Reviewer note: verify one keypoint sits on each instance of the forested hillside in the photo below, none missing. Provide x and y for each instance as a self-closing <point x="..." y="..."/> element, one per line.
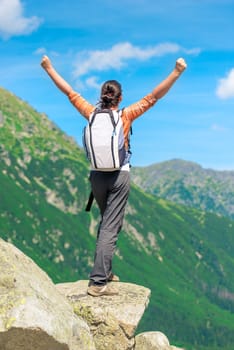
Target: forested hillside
<point x="184" y="255"/>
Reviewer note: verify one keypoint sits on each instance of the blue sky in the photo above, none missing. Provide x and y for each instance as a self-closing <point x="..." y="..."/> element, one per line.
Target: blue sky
<point x="136" y="42"/>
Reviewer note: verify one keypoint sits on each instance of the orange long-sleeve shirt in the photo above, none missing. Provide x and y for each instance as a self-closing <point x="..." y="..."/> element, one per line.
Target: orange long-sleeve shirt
<point x="130" y="113"/>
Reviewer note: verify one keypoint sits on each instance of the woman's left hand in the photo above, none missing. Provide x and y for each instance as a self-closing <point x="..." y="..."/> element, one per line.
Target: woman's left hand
<point x="180" y="65"/>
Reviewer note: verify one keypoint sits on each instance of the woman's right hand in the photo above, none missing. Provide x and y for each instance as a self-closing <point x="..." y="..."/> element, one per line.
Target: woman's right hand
<point x="45" y="62"/>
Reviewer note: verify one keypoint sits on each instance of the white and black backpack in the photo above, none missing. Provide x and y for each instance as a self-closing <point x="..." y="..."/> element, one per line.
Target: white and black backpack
<point x="103" y="140"/>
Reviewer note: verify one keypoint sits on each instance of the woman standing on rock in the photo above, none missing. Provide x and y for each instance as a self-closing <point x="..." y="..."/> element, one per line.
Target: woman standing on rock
<point x="111" y="189"/>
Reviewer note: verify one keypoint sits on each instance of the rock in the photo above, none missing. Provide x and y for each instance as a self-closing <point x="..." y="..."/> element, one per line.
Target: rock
<point x="33" y="314"/>
<point x="112" y="319"/>
<point x="153" y="341"/>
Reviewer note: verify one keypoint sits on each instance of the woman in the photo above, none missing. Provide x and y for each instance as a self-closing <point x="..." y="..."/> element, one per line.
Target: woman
<point x="111" y="189"/>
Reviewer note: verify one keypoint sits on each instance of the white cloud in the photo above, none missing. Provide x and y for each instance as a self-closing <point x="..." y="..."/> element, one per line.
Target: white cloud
<point x="117" y="56"/>
<point x="225" y="87"/>
<point x="12" y="20"/>
<point x="218" y="128"/>
<point x="193" y="51"/>
<point x="92" y="82"/>
<point x="40" y="51"/>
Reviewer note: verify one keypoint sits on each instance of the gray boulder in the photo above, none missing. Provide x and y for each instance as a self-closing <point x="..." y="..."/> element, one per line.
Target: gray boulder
<point x="153" y="341"/>
<point x="112" y="319"/>
<point x="33" y="314"/>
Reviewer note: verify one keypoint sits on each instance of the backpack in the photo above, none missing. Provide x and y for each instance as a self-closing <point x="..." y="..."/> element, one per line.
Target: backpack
<point x="103" y="140"/>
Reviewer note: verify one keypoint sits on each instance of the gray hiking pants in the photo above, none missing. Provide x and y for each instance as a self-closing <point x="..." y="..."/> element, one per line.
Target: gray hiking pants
<point x="110" y="190"/>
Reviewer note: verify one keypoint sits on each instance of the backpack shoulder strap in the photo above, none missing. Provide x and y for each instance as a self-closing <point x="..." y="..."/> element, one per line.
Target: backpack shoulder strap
<point x="93" y="115"/>
<point x="90" y="202"/>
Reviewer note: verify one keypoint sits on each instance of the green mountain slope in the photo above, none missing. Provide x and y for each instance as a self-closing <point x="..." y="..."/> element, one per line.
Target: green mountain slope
<point x="189" y="184"/>
<point x="183" y="255"/>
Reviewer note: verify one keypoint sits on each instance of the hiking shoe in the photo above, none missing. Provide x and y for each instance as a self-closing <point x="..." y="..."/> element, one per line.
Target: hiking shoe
<point x="113" y="278"/>
<point x="97" y="291"/>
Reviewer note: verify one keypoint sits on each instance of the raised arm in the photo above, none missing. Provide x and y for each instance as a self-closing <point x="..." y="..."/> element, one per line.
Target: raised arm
<point x="138" y="108"/>
<point x="54" y="75"/>
<point x="161" y="89"/>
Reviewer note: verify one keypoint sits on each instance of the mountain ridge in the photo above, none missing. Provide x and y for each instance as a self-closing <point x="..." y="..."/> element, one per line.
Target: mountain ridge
<point x="187" y="183"/>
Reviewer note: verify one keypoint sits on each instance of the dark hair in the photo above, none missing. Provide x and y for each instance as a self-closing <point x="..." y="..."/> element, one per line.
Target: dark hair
<point x="110" y="93"/>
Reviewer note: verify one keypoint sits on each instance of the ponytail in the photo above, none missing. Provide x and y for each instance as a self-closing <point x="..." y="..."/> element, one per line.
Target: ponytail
<point x="111" y="92"/>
